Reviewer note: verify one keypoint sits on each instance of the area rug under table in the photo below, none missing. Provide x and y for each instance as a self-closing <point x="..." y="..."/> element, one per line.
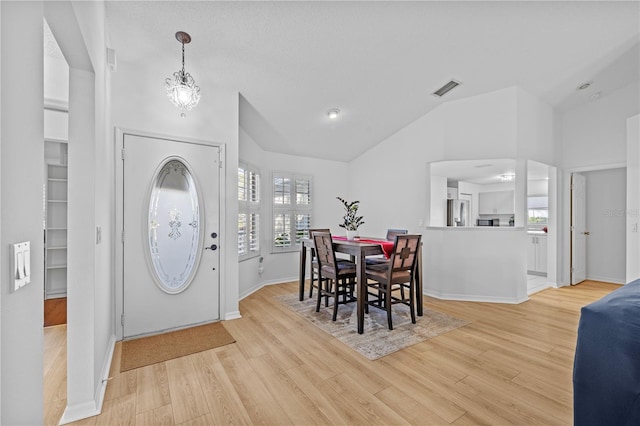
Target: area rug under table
<point x="163" y="347"/>
<point x="377" y="340"/>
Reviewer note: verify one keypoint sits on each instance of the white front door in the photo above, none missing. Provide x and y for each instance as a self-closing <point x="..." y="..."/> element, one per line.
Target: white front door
<point x="171" y="214"/>
<point x="578" y="229"/>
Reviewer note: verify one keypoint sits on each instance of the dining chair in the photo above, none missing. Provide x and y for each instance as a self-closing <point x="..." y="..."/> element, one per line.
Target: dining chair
<point x="314" y="263"/>
<point x="385" y="281"/>
<point x="339" y="278"/>
<point x="391" y="233"/>
<point x="391" y="236"/>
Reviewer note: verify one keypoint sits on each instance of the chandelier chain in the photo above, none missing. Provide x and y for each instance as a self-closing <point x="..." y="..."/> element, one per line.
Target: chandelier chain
<point x="183" y="58"/>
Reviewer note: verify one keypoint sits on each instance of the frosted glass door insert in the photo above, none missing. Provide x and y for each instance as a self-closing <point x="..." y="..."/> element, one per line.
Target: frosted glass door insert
<point x="174" y="230"/>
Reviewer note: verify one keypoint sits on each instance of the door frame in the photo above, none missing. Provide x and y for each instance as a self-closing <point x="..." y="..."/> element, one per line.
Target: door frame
<point x="566" y="227"/>
<point x="119" y="134"/>
<point x="572" y="230"/>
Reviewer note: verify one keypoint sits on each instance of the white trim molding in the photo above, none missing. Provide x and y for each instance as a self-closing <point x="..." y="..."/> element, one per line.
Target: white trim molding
<point x="92" y="408"/>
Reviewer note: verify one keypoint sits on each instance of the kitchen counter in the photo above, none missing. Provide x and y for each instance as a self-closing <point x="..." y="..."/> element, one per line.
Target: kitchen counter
<point x="479" y="228"/>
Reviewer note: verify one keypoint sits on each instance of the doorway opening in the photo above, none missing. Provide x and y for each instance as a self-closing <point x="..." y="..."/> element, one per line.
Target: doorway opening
<point x="598" y="227"/>
<point x="55" y="226"/>
<point x="539" y="222"/>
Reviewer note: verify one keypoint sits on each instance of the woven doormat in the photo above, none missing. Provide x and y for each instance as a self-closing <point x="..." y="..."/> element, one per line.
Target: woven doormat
<point x="163" y="347"/>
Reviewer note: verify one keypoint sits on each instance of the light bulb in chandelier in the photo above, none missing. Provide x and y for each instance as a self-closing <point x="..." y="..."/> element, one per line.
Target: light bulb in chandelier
<point x="181" y="88"/>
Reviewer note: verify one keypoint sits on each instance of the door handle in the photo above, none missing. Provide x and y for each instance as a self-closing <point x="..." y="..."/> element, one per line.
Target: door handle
<point x="211" y="247"/>
<point x="587" y="233"/>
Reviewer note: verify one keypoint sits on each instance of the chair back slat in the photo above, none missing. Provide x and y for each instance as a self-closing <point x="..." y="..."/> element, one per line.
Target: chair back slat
<point x="391" y="233"/>
<point x="314" y="230"/>
<point x="403" y="257"/>
<point x="324" y="249"/>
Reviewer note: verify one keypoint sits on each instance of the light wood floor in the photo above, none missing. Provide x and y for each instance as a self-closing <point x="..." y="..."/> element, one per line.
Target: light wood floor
<point x="511" y="366"/>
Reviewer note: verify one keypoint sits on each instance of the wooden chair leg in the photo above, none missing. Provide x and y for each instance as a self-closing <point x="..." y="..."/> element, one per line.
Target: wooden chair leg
<point x="328" y="290"/>
<point x="319" y="293"/>
<point x="366" y="299"/>
<point x="412" y="302"/>
<point x="335" y="304"/>
<point x="388" y="306"/>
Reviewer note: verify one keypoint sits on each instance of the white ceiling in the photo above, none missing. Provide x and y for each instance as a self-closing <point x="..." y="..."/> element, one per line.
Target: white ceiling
<point x="377" y="62"/>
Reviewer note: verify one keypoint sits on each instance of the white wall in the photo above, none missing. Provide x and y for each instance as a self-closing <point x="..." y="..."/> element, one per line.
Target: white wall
<point x="79" y="28"/>
<point x="2" y="269"/>
<point x="606" y="193"/>
<point x="477" y="264"/>
<point x="537" y="187"/>
<point x="633" y="199"/>
<point x="594" y="137"/>
<point x="22" y="136"/>
<point x="438" y="200"/>
<point x="329" y="181"/>
<point x="392" y="177"/>
<point x="56" y="79"/>
<point x="482" y="126"/>
<point x="535" y="129"/>
<point x="595" y="134"/>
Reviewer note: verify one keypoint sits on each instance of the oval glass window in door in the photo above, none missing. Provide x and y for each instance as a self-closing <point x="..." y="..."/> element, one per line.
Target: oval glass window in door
<point x="173" y="226"/>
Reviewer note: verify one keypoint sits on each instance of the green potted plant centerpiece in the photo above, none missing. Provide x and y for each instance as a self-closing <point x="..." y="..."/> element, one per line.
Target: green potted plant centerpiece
<point x="351" y="219"/>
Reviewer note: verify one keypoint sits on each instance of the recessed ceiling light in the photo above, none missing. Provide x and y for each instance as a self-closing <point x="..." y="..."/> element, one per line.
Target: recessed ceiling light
<point x="584" y="86"/>
<point x="333" y="113"/>
<point x="507" y="177"/>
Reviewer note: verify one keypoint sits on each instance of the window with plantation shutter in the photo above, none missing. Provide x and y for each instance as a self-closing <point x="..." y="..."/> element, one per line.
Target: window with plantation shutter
<point x="248" y="211"/>
<point x="291" y="210"/>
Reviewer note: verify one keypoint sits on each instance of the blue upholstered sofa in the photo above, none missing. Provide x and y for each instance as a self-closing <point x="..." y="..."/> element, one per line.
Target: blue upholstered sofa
<point x="606" y="369"/>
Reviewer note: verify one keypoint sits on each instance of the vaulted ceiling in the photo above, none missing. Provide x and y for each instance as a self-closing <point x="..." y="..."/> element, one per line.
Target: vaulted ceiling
<point x="377" y="62"/>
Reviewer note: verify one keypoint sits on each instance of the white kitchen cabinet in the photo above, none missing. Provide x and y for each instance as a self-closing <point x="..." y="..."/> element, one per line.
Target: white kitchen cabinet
<point x="497" y="202"/>
<point x="537" y="254"/>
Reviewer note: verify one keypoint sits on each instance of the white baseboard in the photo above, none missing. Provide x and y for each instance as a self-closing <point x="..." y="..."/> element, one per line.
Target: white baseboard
<point x="106" y="368"/>
<point x="266" y="283"/>
<point x="475" y="298"/>
<point x="92" y="408"/>
<point x="607" y="279"/>
<point x="232" y="315"/>
<point x="55" y="294"/>
<point x="79" y="411"/>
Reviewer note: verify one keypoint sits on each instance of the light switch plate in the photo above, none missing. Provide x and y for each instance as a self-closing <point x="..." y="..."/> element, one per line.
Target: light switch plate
<point x="20" y="265"/>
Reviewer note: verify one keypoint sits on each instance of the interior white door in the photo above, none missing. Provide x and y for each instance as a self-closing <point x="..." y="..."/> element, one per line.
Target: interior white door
<point x="578" y="229"/>
<point x="171" y="214"/>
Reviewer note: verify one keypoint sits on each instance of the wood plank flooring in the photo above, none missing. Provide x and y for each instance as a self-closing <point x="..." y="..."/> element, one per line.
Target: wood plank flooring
<point x="511" y="365"/>
<point x="55" y="311"/>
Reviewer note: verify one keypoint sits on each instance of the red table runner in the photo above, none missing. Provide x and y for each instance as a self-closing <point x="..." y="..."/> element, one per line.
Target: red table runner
<point x="387" y="246"/>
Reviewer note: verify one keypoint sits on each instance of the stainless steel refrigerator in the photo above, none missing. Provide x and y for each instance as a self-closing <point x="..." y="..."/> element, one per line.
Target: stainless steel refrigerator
<point x="458" y="213"/>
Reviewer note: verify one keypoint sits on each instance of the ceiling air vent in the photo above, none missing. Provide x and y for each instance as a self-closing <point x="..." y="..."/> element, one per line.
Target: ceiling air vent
<point x="447" y="87"/>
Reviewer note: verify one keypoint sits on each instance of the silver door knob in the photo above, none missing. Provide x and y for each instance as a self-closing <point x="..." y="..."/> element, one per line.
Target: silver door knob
<point x="587" y="233"/>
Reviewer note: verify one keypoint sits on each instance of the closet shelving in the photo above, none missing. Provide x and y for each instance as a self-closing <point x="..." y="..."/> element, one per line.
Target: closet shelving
<point x="56" y="221"/>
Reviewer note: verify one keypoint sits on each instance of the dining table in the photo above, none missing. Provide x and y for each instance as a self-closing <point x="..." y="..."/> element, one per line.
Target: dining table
<point x="359" y="249"/>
